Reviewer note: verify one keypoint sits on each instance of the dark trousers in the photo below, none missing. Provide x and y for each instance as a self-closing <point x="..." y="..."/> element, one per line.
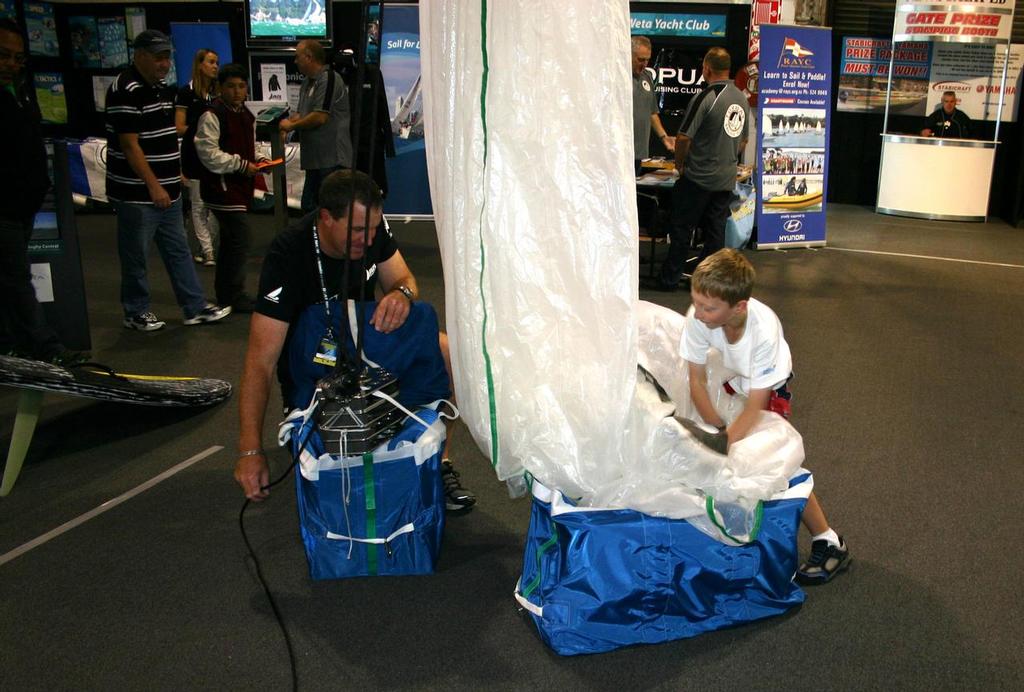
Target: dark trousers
<point x="311" y="186"/>
<point x="694" y="207"/>
<point x="22" y="323"/>
<point x="232" y="253"/>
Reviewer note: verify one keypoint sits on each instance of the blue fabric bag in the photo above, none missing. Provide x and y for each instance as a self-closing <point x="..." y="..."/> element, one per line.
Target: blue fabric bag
<point x="411" y="353"/>
<point x="378" y="514"/>
<point x="598" y="579"/>
<point x="381" y="513"/>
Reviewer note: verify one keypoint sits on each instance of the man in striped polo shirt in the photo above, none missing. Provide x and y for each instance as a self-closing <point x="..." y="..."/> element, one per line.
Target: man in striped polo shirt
<point x="144" y="184"/>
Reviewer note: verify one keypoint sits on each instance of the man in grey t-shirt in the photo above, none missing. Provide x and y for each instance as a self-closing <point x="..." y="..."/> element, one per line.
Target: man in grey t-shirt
<point x="322" y="121"/>
<point x="711" y="137"/>
<point x="645" y="103"/>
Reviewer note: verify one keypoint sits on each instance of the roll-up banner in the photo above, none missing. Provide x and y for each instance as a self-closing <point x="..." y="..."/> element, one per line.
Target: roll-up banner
<point x="408" y="188"/>
<point x="795" y="96"/>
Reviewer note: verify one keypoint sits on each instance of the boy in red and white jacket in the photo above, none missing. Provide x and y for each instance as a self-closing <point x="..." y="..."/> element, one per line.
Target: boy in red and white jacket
<point x="226" y="145"/>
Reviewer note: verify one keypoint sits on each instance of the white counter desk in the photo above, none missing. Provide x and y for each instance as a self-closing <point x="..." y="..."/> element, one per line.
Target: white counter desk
<point x="934" y="178"/>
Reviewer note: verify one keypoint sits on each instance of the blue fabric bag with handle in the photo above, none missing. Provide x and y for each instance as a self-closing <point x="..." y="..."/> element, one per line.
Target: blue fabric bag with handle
<point x="381" y="513"/>
<point x="595" y="580"/>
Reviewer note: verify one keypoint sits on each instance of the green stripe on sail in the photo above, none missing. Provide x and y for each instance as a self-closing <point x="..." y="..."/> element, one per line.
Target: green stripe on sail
<point x="491" y="405"/>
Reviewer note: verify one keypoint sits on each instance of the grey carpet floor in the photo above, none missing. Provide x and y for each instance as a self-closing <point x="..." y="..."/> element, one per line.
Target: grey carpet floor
<point x="908" y="394"/>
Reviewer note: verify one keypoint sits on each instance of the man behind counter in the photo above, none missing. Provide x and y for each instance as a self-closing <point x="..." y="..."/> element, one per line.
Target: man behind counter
<point x="947" y="121"/>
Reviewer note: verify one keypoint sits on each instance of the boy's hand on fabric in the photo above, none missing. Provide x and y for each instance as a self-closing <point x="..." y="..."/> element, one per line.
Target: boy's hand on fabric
<point x="716" y="442"/>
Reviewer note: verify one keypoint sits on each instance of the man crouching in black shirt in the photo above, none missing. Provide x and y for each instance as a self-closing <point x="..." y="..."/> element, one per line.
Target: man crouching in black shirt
<point x="304" y="266"/>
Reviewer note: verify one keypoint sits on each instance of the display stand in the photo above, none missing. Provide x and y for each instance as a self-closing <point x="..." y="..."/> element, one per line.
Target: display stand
<point x="965" y="165"/>
<point x="57" y="262"/>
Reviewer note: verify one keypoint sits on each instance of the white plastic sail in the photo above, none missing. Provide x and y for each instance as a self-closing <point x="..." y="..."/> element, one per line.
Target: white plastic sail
<point x="529" y="150"/>
<point x="527" y="110"/>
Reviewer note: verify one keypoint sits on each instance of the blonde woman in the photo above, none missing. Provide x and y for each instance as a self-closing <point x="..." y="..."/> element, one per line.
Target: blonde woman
<point x="192" y="101"/>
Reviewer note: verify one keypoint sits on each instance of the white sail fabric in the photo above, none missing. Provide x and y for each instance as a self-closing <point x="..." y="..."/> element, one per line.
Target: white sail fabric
<point x="527" y="112"/>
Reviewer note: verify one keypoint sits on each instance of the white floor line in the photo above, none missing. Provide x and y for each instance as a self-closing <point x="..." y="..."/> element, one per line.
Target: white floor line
<point x="109" y="504"/>
<point x="941" y="259"/>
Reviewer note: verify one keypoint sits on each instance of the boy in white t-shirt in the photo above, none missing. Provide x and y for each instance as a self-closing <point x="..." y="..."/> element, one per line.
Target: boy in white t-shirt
<point x="749" y="336"/>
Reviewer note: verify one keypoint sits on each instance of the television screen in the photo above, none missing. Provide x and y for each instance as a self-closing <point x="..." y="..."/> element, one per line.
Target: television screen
<point x="273" y="22"/>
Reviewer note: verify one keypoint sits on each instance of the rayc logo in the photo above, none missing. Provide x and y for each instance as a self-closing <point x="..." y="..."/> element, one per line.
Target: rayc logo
<point x="795" y="55"/>
<point x="795" y="49"/>
<point x="793" y="226"/>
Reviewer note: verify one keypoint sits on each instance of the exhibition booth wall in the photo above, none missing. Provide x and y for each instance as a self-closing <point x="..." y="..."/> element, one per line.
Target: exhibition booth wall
<point x="79" y="56"/>
<point x="855" y="145"/>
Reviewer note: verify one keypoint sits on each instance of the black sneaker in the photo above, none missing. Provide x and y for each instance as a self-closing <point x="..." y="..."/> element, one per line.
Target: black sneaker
<point x="457" y="498"/>
<point x="146" y="322"/>
<point x="211" y="313"/>
<point x="69" y="359"/>
<point x="826" y="561"/>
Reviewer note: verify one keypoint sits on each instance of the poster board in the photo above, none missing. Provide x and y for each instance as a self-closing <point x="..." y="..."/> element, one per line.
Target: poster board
<point x="189" y="37"/>
<point x="266" y="69"/>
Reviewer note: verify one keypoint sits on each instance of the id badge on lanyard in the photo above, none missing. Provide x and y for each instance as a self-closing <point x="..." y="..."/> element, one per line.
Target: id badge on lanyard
<point x="327" y="351"/>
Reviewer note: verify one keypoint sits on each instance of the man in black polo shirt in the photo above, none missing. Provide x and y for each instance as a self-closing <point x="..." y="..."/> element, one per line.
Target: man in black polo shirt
<point x="947" y="120"/>
<point x="711" y="138"/>
<point x="144" y="184"/>
<point x="302" y="277"/>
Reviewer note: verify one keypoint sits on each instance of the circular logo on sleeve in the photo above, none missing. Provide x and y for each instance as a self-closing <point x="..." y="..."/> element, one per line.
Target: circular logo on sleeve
<point x="734" y="120"/>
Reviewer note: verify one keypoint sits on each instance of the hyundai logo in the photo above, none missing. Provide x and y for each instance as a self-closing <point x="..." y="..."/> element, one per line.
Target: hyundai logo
<point x="793" y="226"/>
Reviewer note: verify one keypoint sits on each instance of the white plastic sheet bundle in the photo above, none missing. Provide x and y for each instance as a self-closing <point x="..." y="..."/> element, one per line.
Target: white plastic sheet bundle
<point x="528" y="132"/>
<point x="527" y="109"/>
<point x="671" y="474"/>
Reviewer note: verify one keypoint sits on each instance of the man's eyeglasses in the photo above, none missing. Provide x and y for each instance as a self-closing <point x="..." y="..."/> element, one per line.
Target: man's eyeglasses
<point x="16" y="58"/>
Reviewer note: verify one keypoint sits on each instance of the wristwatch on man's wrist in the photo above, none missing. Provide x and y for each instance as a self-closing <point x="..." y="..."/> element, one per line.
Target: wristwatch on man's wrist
<point x="405" y="291"/>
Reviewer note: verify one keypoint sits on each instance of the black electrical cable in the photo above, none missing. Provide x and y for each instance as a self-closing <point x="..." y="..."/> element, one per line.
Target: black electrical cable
<point x="360" y="74"/>
<point x="263" y="582"/>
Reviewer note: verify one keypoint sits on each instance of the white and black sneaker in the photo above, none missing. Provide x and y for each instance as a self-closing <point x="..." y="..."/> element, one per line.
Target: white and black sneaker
<point x="457" y="499"/>
<point x="211" y="313"/>
<point x="146" y="322"/>
<point x="826" y="561"/>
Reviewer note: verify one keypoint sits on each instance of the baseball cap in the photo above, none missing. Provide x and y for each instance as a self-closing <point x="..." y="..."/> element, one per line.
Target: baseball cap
<point x="152" y="41"/>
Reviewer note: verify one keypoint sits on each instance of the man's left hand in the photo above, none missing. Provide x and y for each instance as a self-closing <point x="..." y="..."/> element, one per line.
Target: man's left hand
<point x="391" y="313"/>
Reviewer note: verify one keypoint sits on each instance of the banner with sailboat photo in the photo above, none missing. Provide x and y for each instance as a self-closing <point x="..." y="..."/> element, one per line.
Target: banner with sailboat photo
<point x="795" y="95"/>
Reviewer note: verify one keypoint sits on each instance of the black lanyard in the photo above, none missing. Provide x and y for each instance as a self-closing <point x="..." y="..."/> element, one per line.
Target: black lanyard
<point x="323" y="282"/>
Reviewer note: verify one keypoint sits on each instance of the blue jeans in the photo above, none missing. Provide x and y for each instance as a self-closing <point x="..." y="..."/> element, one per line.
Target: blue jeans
<point x="311" y="187"/>
<point x="137" y="224"/>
